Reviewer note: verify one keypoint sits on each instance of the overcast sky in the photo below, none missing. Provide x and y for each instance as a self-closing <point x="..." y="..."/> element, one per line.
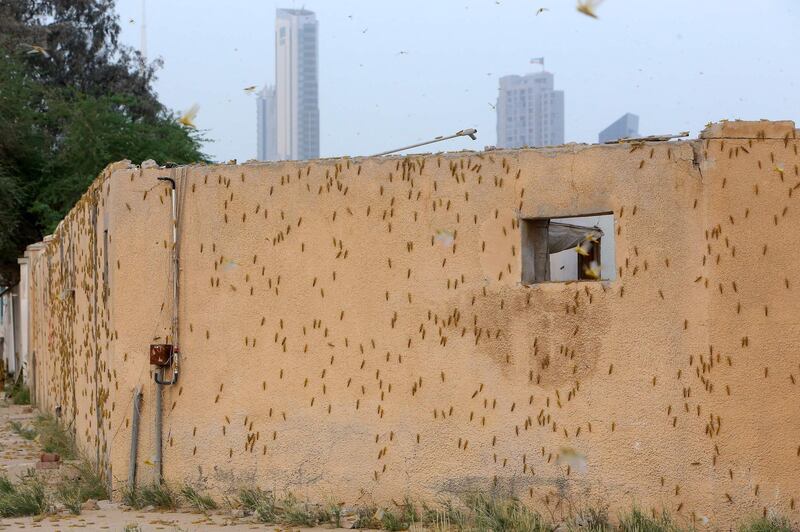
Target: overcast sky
<point x="677" y="64"/>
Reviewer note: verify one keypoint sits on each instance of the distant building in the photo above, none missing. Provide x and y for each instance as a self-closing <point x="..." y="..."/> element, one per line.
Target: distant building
<point x="626" y="126"/>
<point x="296" y="84"/>
<point x="267" y="125"/>
<point x="529" y="111"/>
<point x="10" y="333"/>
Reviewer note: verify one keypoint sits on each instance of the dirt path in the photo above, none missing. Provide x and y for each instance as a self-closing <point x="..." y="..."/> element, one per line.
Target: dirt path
<point x="18" y="455"/>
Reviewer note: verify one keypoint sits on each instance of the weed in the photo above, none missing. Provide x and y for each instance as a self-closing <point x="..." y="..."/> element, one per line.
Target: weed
<point x="444" y="517"/>
<point x="332" y="514"/>
<point x="130" y="497"/>
<point x="6" y="486"/>
<point x="259" y="502"/>
<point x="638" y="521"/>
<point x="18" y="393"/>
<point x="88" y="484"/>
<point x="250" y="497"/>
<point x="592" y="519"/>
<point x="69" y="495"/>
<point x="391" y="521"/>
<point x="24" y="498"/>
<point x="296" y="514"/>
<point x="132" y="527"/>
<point x="492" y="513"/>
<point x="366" y="517"/>
<point x="404" y="519"/>
<point x="197" y="500"/>
<point x="158" y="495"/>
<point x="25" y="432"/>
<point x="91" y="482"/>
<point x="53" y="438"/>
<point x="773" y="523"/>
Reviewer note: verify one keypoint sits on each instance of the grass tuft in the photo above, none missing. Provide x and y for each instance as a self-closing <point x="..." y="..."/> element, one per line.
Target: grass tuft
<point x="287" y="511"/>
<point x="403" y="519"/>
<point x="592" y="519"/>
<point x="366" y="517"/>
<point x="69" y="494"/>
<point x="6" y="486"/>
<point x="130" y="497"/>
<point x="88" y="484"/>
<point x="773" y="523"/>
<point x="447" y="516"/>
<point x="24" y="498"/>
<point x="475" y="511"/>
<point x="296" y="514"/>
<point x="333" y="514"/>
<point x="638" y="521"/>
<point x="392" y="521"/>
<point x="494" y="513"/>
<point x="18" y="393"/>
<point x="197" y="500"/>
<point x="260" y="503"/>
<point x="28" y="433"/>
<point x="160" y="496"/>
<point x="53" y="438"/>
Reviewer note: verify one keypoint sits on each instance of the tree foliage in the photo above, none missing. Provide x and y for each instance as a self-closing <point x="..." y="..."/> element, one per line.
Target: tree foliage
<point x="72" y="99"/>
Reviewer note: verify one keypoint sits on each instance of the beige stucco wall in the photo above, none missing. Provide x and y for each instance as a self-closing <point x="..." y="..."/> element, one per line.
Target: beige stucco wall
<point x="69" y="323"/>
<point x="334" y="347"/>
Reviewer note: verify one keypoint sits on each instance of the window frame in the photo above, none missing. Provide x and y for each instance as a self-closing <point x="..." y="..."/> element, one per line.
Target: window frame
<point x="535" y="229"/>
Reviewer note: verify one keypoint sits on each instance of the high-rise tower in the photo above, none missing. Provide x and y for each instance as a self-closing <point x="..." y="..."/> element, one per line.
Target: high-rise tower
<point x="529" y="111"/>
<point x="267" y="131"/>
<point x="296" y="84"/>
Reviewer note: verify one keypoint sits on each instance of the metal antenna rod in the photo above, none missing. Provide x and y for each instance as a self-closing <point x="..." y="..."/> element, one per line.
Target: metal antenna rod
<point x="143" y="36"/>
<point x="463" y="133"/>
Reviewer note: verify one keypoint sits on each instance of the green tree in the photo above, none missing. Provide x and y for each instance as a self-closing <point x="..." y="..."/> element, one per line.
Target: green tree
<point x="94" y="132"/>
<point x="75" y="43"/>
<point x="67" y="109"/>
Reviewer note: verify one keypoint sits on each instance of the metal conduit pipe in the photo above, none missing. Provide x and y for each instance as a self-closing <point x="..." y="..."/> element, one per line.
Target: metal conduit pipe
<point x="174" y="359"/>
<point x="157" y="432"/>
<point x="137" y="401"/>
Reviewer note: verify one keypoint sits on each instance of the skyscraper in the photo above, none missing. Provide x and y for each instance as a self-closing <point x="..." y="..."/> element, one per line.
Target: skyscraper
<point x="267" y="125"/>
<point x="296" y="84"/>
<point x="626" y="126"/>
<point x="529" y="111"/>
